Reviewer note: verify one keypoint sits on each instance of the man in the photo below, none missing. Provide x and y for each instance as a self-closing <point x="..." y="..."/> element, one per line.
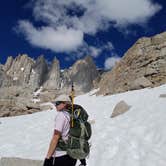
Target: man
<point x="55" y="157"/>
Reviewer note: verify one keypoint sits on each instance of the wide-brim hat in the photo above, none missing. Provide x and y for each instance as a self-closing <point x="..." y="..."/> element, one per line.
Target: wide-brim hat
<point x="62" y="98"/>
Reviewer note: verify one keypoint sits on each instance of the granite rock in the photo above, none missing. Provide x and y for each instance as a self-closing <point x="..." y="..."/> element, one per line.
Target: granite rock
<point x="144" y="62"/>
<point x="120" y="108"/>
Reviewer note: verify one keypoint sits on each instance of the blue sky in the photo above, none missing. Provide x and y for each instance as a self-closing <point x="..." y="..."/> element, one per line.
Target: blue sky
<point x="72" y="29"/>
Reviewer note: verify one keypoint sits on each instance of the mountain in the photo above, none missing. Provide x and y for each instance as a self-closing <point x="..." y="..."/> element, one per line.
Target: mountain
<point x="23" y="76"/>
<point x="25" y="82"/>
<point x="143" y="65"/>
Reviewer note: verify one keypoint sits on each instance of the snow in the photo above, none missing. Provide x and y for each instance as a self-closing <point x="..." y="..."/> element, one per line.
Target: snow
<point x="22" y="68"/>
<point x="33" y="71"/>
<point x="35" y="100"/>
<point x="137" y="137"/>
<point x="15" y="78"/>
<point x="37" y="93"/>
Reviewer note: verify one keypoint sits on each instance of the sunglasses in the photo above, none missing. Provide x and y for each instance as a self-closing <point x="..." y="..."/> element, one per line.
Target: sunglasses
<point x="59" y="102"/>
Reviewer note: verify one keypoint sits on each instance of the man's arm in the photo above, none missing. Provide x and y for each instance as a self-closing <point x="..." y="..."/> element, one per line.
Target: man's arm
<point x="53" y="143"/>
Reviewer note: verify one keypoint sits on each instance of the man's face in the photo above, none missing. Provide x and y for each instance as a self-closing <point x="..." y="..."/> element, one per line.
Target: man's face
<point x="60" y="106"/>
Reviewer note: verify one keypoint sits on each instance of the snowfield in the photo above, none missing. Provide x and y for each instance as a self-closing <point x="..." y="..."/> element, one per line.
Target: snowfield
<point x="135" y="138"/>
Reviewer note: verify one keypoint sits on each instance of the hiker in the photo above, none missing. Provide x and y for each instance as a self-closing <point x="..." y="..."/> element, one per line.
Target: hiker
<point x="54" y="156"/>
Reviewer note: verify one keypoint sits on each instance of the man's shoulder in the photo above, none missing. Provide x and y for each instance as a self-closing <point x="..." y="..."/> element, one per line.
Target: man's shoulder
<point x="63" y="114"/>
<point x="60" y="114"/>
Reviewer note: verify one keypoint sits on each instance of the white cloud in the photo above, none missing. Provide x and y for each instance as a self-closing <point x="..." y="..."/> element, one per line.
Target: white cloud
<point x="127" y="11"/>
<point x="97" y="13"/>
<point x="93" y="51"/>
<point x="85" y="49"/>
<point x="65" y="32"/>
<point x="110" y="62"/>
<point x="60" y="39"/>
<point x="109" y="46"/>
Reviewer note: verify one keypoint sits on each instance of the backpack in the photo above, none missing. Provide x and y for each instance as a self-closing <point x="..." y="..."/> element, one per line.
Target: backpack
<point x="77" y="145"/>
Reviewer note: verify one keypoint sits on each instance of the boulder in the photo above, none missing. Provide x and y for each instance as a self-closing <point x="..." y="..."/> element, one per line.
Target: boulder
<point x="139" y="83"/>
<point x="120" y="108"/>
<point x="162" y="96"/>
<point x="4" y="112"/>
<point x="16" y="100"/>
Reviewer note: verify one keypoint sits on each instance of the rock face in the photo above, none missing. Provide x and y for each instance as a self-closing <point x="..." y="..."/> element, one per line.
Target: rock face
<point x="16" y="100"/>
<point x="2" y="75"/>
<point x="18" y="70"/>
<point x="143" y="65"/>
<point x="141" y="82"/>
<point x="53" y="77"/>
<point x="38" y="73"/>
<point x="82" y="74"/>
<point x="22" y="77"/>
<point x="8" y="63"/>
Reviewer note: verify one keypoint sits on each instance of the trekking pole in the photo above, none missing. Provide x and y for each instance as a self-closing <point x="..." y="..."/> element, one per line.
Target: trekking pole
<point x="72" y="104"/>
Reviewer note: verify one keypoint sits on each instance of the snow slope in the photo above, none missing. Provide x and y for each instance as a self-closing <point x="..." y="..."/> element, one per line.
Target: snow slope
<point x="136" y="138"/>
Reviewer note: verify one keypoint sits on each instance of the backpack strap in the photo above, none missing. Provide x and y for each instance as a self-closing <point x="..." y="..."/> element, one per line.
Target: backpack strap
<point x="83" y="130"/>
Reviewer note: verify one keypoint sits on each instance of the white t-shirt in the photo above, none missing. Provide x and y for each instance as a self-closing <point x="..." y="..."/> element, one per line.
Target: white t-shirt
<point x="62" y="124"/>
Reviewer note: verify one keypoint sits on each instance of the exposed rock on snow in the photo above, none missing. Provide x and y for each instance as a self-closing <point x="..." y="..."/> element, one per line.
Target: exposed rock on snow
<point x="19" y="162"/>
<point x="163" y="96"/>
<point x="120" y="108"/>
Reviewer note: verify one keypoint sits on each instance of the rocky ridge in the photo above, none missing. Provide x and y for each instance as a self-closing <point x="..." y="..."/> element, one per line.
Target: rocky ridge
<point x="22" y="77"/>
<point x="143" y="65"/>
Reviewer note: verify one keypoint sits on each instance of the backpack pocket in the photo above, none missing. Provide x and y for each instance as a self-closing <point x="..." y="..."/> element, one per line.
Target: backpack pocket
<point x="78" y="148"/>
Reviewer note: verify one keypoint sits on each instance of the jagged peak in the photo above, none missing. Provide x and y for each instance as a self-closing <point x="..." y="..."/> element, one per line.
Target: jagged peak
<point x="10" y="58"/>
<point x="41" y="59"/>
<point x="23" y="57"/>
<point x="88" y="58"/>
<point x="55" y="58"/>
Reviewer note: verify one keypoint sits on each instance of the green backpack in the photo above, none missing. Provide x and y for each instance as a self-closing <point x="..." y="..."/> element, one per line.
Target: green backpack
<point x="77" y="145"/>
